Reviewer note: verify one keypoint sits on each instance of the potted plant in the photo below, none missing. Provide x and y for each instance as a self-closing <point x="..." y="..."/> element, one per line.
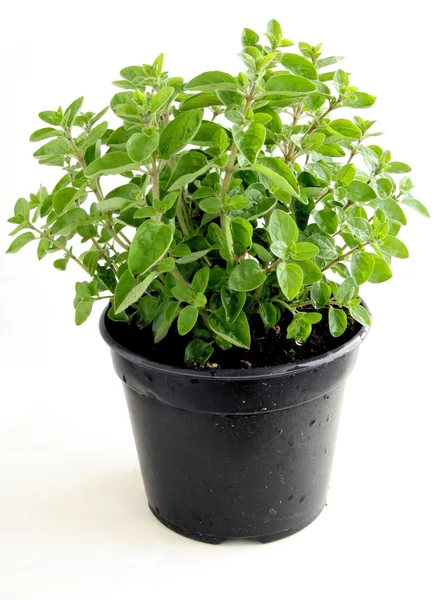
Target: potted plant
<point x="230" y="248"/>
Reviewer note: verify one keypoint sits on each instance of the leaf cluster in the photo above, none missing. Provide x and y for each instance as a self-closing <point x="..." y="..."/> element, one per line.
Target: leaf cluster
<point x="232" y="196"/>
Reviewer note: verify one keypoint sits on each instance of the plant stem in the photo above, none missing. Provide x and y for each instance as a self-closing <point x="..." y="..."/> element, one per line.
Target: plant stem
<point x="178" y="276"/>
<point x="45" y="235"/>
<point x="96" y="188"/>
<point x="228" y="171"/>
<point x="343" y="256"/>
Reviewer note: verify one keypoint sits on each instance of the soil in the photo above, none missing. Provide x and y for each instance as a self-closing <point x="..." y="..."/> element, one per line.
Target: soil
<point x="269" y="347"/>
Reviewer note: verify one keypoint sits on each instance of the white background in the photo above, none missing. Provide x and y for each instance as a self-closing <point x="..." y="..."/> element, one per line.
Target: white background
<point x="74" y="523"/>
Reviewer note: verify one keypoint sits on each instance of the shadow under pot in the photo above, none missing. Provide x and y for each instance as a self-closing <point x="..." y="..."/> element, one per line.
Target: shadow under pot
<point x="235" y="454"/>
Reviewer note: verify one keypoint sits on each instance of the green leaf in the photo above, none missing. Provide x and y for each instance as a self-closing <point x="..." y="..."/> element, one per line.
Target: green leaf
<point x="358" y="191"/>
<point x="280" y="249"/>
<point x="165" y="315"/>
<point x="359" y="100"/>
<point x="246" y="276"/>
<point x="397" y="167"/>
<point x="82" y="311"/>
<point x="112" y="163"/>
<point x="187" y="319"/>
<point x="278" y="173"/>
<point x="327" y="220"/>
<point x="21" y="209"/>
<point x="165" y="204"/>
<point x="94" y="135"/>
<point x="290" y="278"/>
<point x="360" y="229"/>
<point x="62" y="198"/>
<point x="69" y="221"/>
<point x="57" y="147"/>
<point x="344" y="129"/>
<point x="311" y="271"/>
<point x="236" y="333"/>
<point x="112" y="204"/>
<point x="251" y="141"/>
<point x="249" y="37"/>
<point x="233" y="303"/>
<point x="189" y="167"/>
<point x="416" y="205"/>
<point x="346" y="175"/>
<point x="238" y="202"/>
<point x="200" y="280"/>
<point x="289" y="85"/>
<point x="259" y="203"/>
<point x="299" y="65"/>
<point x="304" y="251"/>
<point x="20" y="242"/>
<point x="183" y="293"/>
<point x="337" y="321"/>
<point x="341" y="81"/>
<point x="210" y="205"/>
<point x="197" y="352"/>
<point x="193" y="257"/>
<point x="381" y="271"/>
<point x="140" y="146"/>
<point x="282" y="227"/>
<point x="206" y="132"/>
<point x="160" y="99"/>
<point x="44" y="133"/>
<point x="362" y="265"/>
<point x="129" y="290"/>
<point x="211" y="81"/>
<point x="43" y="246"/>
<point x="348" y="290"/>
<point x="392" y="210"/>
<point x="242" y="232"/>
<point x="149" y="245"/>
<point x="326" y="246"/>
<point x="320" y="294"/>
<point x="201" y="100"/>
<point x="146" y="310"/>
<point x="72" y="111"/>
<point x="360" y="314"/>
<point x="179" y="132"/>
<point x="394" y="247"/>
<point x="274" y="32"/>
<point x="270" y="314"/>
<point x="51" y="117"/>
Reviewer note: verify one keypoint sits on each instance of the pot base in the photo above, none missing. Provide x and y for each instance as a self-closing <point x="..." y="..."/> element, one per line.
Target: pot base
<point x="209" y="539"/>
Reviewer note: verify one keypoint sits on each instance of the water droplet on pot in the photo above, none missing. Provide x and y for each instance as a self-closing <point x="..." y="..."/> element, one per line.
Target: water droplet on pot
<point x="325" y="450"/>
<point x="312" y="423"/>
<point x="280" y="432"/>
<point x="328" y="418"/>
<point x="291" y="497"/>
<point x="302" y="498"/>
<point x="124" y="379"/>
<point x="273" y="513"/>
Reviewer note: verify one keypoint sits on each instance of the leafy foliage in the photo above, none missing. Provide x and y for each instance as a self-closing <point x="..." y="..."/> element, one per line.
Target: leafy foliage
<point x="230" y="196"/>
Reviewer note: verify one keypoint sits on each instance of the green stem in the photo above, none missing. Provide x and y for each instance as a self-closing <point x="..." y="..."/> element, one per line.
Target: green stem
<point x="45" y="235"/>
<point x="343" y="256"/>
<point x="96" y="189"/>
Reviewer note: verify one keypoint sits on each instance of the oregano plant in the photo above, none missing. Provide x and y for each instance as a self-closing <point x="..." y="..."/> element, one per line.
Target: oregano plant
<point x="220" y="198"/>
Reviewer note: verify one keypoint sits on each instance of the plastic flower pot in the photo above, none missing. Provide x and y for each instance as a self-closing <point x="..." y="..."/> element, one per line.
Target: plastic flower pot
<point x="230" y="454"/>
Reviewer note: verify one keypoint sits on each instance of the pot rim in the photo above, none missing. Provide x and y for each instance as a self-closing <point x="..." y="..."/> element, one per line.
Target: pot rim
<point x="234" y="374"/>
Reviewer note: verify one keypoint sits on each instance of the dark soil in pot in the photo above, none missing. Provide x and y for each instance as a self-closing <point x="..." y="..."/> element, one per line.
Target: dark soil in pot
<point x="269" y="347"/>
<point x="234" y="453"/>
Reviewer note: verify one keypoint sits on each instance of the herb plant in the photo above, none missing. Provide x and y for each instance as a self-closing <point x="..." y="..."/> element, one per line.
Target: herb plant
<point x="235" y="195"/>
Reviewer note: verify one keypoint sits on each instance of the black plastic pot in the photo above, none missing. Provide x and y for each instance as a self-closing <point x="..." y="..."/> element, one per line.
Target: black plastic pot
<point x="235" y="453"/>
